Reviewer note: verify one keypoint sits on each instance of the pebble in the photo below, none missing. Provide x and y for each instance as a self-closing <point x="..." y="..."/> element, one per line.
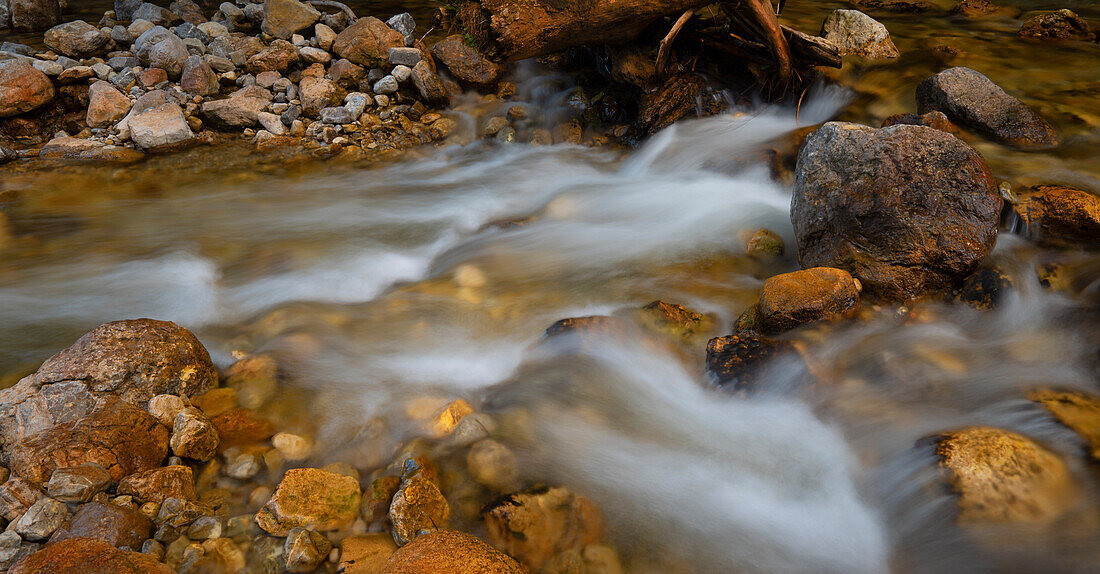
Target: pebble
<point x="292" y="446"/>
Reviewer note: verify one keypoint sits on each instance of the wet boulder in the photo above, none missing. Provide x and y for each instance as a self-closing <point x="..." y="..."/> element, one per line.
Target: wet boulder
<point x="116" y="525"/>
<point x="1059" y="25"/>
<point x="367" y="42"/>
<point x="284" y="18"/>
<point x="1060" y="216"/>
<point x="365" y="554"/>
<point x="118" y="436"/>
<point x="418" y="506"/>
<point x="979" y="8"/>
<point x="904" y="209"/>
<point x="1001" y="476"/>
<point x="23" y="88"/>
<point x="106" y="105"/>
<point x="34" y="15"/>
<point x="88" y="556"/>
<point x="1076" y="410"/>
<point x="536" y="525"/>
<point x="134" y="359"/>
<point x="310" y="498"/>
<point x="743" y="361"/>
<point x="450" y="551"/>
<point x="77" y="39"/>
<point x="675" y="321"/>
<point x="857" y="34"/>
<point x="467" y="66"/>
<point x="429" y="84"/>
<point x="972" y="100"/>
<point x="818" y="294"/>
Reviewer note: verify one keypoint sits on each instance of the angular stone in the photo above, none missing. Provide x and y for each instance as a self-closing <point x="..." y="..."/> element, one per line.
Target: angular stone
<point x="311" y="55"/>
<point x="466" y="65"/>
<point x="34" y="15"/>
<point x="76" y="39"/>
<point x="106" y="105"/>
<point x="88" y="556"/>
<point x="16" y="496"/>
<point x="857" y="34"/>
<point x="367" y="42"/>
<point x="118" y="526"/>
<point x="78" y="483"/>
<point x="198" y="78"/>
<point x="136" y="359"/>
<point x="157" y="15"/>
<point x="235" y="112"/>
<point x="178" y="512"/>
<point x="905" y="209"/>
<point x="405" y="56"/>
<point x="278" y="57"/>
<point x="284" y="18"/>
<point x="972" y="100"/>
<point x="194" y="436"/>
<point x="429" y="85"/>
<point x="417" y="507"/>
<point x="41" y="520"/>
<point x="23" y="88"/>
<point x="122" y="438"/>
<point x="406" y="25"/>
<point x="452" y="552"/>
<point x="310" y="498"/>
<point x="188" y="10"/>
<point x="305" y="550"/>
<point x="1000" y="476"/>
<point x="160" y="127"/>
<point x="158" y="484"/>
<point x="317" y="94"/>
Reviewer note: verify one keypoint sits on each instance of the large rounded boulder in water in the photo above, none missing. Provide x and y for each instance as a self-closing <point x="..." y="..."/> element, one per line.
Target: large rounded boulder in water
<point x="906" y="209"/>
<point x="136" y="360"/>
<point x="450" y="551"/>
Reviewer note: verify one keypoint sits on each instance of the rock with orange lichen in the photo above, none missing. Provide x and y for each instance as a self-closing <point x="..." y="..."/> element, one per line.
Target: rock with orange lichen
<point x="1000" y="476"/>
<point x="451" y="552"/>
<point x="88" y="556"/>
<point x="537" y="524"/>
<point x="310" y="498"/>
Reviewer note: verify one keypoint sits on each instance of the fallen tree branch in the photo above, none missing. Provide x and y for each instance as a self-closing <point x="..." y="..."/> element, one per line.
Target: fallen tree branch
<point x="334" y="4"/>
<point x="664" y="52"/>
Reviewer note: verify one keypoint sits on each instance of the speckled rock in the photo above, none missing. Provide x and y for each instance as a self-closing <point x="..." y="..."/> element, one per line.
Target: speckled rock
<point x="452" y="552"/>
<point x="793" y="299"/>
<point x="88" y="556"/>
<point x="857" y="34"/>
<point x="535" y="525"/>
<point x="310" y="498"/>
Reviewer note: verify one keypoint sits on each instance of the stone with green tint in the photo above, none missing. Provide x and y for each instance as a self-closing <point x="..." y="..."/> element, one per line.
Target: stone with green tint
<point x="310" y="498"/>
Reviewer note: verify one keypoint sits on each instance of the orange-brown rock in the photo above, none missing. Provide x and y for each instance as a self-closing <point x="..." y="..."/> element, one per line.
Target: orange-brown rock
<point x="157" y="484"/>
<point x="122" y="438"/>
<point x="418" y="506"/>
<point x="1000" y="476"/>
<point x="367" y="42"/>
<point x="1060" y="216"/>
<point x="934" y="119"/>
<point x="23" y="88"/>
<point x="1076" y="410"/>
<point x="310" y="498"/>
<point x="366" y="554"/>
<point x="116" y="525"/>
<point x="535" y="525"/>
<point x="793" y="299"/>
<point x="239" y="427"/>
<point x="88" y="556"/>
<point x="675" y="320"/>
<point x="466" y="64"/>
<point x="377" y="498"/>
<point x="16" y="496"/>
<point x="136" y="360"/>
<point x="1058" y="25"/>
<point x="451" y="552"/>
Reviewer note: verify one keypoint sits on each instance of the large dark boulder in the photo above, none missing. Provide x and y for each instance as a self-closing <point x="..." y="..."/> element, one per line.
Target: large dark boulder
<point x="905" y="209"/>
<point x="972" y="100"/>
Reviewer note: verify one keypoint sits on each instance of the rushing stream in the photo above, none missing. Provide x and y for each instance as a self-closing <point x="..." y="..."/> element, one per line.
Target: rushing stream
<point x="377" y="286"/>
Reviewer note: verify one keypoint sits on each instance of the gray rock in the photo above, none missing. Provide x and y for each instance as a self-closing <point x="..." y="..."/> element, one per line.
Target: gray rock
<point x="78" y="483"/>
<point x="160" y="127"/>
<point x="124" y="9"/>
<point x="188" y="10"/>
<point x="188" y="30"/>
<point x="159" y="48"/>
<point x="356" y="103"/>
<point x="102" y="71"/>
<point x="120" y="63"/>
<point x="405" y="56"/>
<point x="312" y="55"/>
<point x="905" y="209"/>
<point x="284" y="18"/>
<point x="76" y="39"/>
<point x="41" y="520"/>
<point x="290" y="115"/>
<point x="857" y="34"/>
<point x="5" y="14"/>
<point x="121" y="35"/>
<point x="156" y="15"/>
<point x="50" y="68"/>
<point x="972" y="100"/>
<point x="402" y="73"/>
<point x="198" y="78"/>
<point x="16" y="496"/>
<point x="9" y="545"/>
<point x="387" y="85"/>
<point x="406" y="25"/>
<point x="337" y="115"/>
<point x="15" y="48"/>
<point x="205" y="528"/>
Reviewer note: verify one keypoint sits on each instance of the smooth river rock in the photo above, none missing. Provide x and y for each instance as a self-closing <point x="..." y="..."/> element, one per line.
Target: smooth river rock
<point x="857" y="34"/>
<point x="972" y="100"/>
<point x="452" y="552"/>
<point x="793" y="299"/>
<point x="905" y="209"/>
<point x="88" y="556"/>
<point x="310" y="498"/>
<point x="23" y="88"/>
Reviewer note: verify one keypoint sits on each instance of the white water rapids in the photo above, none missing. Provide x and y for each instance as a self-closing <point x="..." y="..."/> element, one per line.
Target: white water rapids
<point x="401" y="288"/>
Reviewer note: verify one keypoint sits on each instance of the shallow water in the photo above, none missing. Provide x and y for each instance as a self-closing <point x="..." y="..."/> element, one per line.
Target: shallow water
<point x="378" y="285"/>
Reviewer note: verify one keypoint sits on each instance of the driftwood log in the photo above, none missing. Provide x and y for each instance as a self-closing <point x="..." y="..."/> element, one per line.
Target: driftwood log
<point x="510" y="30"/>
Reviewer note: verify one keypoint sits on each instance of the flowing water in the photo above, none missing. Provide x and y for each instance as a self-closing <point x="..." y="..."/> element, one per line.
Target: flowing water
<point x="379" y="286"/>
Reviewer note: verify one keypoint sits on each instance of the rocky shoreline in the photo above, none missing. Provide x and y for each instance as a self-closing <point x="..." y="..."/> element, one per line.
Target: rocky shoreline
<point x="130" y="451"/>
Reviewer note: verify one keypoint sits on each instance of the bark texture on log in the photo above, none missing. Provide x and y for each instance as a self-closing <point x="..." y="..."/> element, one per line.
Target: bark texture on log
<point x="510" y="30"/>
